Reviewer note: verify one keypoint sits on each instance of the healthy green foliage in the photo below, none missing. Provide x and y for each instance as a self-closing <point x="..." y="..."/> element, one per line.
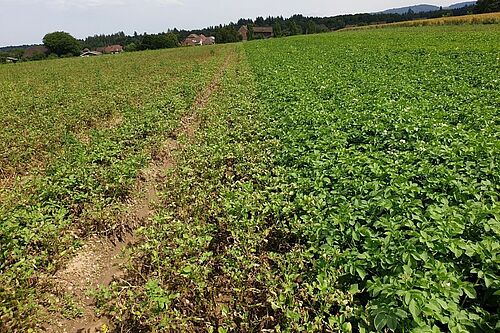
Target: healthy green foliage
<point x="386" y="177"/>
<point x="160" y="41"/>
<point x="62" y="43"/>
<point x="487" y="6"/>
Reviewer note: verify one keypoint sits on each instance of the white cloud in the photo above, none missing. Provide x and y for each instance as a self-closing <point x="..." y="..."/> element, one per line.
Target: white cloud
<point x="82" y="3"/>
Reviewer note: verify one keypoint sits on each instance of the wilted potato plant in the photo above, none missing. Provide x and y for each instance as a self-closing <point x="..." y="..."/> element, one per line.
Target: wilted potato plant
<point x="74" y="134"/>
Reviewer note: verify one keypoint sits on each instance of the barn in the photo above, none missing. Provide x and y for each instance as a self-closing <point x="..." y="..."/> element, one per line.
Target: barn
<point x="198" y="40"/>
<point x="258" y="32"/>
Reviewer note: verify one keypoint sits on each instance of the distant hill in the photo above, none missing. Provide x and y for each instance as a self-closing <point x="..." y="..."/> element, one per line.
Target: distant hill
<point x="426" y="8"/>
<point x="462" y="5"/>
<point x="18" y="47"/>
<point x="415" y="9"/>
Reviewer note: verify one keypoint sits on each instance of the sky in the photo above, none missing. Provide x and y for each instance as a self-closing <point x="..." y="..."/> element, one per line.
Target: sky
<point x="27" y="21"/>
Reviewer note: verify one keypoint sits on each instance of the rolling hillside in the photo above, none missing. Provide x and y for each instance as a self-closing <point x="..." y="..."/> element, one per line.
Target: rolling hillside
<point x="426" y="8"/>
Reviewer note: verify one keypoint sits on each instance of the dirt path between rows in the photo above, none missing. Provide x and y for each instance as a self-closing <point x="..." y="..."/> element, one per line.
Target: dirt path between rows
<point x="99" y="262"/>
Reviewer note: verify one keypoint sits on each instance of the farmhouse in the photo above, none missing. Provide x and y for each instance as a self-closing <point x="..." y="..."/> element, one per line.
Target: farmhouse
<point x="90" y="54"/>
<point x="198" y="40"/>
<point x="258" y="32"/>
<point x="209" y="40"/>
<point x="192" y="40"/>
<point x="265" y="32"/>
<point x="113" y="49"/>
<point x="12" y="60"/>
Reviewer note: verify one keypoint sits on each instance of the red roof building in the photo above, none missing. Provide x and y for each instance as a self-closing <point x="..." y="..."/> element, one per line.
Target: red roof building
<point x="198" y="40"/>
<point x="113" y="49"/>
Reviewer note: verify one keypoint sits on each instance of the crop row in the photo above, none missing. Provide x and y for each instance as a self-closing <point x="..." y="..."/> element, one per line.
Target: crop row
<point x="489" y="18"/>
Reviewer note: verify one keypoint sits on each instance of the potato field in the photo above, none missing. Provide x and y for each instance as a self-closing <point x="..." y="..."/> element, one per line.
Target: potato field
<point x="344" y="182"/>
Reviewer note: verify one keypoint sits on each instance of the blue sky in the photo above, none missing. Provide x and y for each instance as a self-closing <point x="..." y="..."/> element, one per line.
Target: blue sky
<point x="27" y="21"/>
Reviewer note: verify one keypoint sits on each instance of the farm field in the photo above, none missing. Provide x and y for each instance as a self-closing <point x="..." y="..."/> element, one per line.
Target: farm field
<point x="489" y="18"/>
<point x="345" y="182"/>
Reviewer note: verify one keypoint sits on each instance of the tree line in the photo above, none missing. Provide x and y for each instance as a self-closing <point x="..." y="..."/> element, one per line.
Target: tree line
<point x="294" y="25"/>
<point x="61" y="44"/>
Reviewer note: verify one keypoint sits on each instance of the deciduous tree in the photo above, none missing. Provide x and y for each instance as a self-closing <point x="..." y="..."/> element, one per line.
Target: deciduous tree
<point x="160" y="41"/>
<point x="62" y="43"/>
